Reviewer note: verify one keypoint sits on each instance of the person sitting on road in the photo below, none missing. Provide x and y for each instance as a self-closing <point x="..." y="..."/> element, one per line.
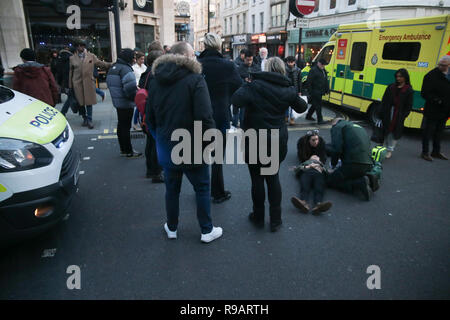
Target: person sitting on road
<point x="351" y="144"/>
<point x="312" y="155"/>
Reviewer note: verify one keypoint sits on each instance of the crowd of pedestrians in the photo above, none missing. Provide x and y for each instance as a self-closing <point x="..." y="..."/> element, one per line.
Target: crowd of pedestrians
<point x="179" y="88"/>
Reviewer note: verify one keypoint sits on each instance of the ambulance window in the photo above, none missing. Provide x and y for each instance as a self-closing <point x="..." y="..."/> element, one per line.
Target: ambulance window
<point x="403" y="51"/>
<point x="351" y="2"/>
<point x="326" y="54"/>
<point x="358" y="56"/>
<point x="5" y="94"/>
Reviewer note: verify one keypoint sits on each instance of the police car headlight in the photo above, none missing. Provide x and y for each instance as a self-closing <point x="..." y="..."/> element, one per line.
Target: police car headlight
<point x="18" y="155"/>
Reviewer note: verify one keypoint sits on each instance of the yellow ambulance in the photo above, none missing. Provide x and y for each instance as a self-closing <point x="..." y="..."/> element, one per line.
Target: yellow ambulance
<point x="363" y="57"/>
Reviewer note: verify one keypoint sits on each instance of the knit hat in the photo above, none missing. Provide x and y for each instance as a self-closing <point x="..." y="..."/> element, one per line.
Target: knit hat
<point x="28" y="54"/>
<point x="127" y="55"/>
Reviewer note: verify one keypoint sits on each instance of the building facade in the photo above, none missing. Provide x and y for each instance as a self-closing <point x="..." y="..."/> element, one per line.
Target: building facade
<point x="47" y="25"/>
<point x="329" y="14"/>
<point x="200" y="20"/>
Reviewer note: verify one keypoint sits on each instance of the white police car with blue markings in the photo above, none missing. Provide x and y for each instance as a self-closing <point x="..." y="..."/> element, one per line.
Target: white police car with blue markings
<point x="39" y="168"/>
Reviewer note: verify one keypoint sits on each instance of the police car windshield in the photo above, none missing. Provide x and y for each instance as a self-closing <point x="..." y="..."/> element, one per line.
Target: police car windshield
<point x="5" y="94"/>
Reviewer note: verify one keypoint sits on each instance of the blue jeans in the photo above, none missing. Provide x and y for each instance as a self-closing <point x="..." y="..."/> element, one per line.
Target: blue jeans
<point x="83" y="110"/>
<point x="99" y="92"/>
<point x="238" y="115"/>
<point x="70" y="100"/>
<point x="199" y="178"/>
<point x="136" y="116"/>
<point x="289" y="113"/>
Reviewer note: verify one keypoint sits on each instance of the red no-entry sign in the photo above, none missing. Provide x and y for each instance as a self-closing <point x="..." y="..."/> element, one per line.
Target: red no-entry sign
<point x="305" y="7"/>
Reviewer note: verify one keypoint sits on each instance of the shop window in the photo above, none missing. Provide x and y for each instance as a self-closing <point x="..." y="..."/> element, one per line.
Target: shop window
<point x="316" y="8"/>
<point x="358" y="56"/>
<point x="351" y="2"/>
<point x="326" y="54"/>
<point x="332" y="4"/>
<point x="406" y="51"/>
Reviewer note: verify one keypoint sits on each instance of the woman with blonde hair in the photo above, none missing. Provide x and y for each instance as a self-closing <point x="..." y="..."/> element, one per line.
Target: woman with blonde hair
<point x="266" y="100"/>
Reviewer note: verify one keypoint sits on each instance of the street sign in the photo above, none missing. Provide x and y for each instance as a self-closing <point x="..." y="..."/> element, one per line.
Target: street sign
<point x="305" y="7"/>
<point x="301" y="23"/>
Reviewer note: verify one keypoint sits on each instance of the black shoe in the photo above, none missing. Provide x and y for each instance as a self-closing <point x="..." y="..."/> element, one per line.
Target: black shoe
<point x="90" y="125"/>
<point x="426" y="156"/>
<point x="134" y="154"/>
<point x="225" y="197"/>
<point x="322" y="207"/>
<point x="275" y="226"/>
<point x="373" y="182"/>
<point x="159" y="178"/>
<point x="365" y="189"/>
<point x="85" y="123"/>
<point x="310" y="118"/>
<point x="256" y="221"/>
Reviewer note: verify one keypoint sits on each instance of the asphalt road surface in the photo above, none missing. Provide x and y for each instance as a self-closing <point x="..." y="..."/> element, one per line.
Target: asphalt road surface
<point x="114" y="234"/>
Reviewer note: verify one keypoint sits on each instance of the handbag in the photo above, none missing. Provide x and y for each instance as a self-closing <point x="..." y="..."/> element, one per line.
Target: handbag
<point x="141" y="97"/>
<point x="378" y="132"/>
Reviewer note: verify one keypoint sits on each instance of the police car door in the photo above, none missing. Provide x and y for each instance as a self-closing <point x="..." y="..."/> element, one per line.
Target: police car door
<point x="358" y="82"/>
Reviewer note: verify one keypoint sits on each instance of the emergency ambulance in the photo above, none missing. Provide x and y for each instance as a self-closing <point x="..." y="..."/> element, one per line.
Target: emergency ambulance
<point x="363" y="57"/>
<point x="39" y="169"/>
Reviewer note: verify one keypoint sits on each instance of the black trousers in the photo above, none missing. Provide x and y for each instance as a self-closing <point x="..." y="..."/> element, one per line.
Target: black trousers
<point x="432" y="129"/>
<point x="151" y="156"/>
<point x="316" y="105"/>
<point x="312" y="180"/>
<point x="349" y="177"/>
<point x="217" y="184"/>
<point x="124" y="117"/>
<point x="259" y="193"/>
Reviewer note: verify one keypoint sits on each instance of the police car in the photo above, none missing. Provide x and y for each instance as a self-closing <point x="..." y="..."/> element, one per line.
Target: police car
<point x="39" y="169"/>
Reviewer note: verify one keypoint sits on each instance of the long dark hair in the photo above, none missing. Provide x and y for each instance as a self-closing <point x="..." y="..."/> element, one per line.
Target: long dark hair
<point x="404" y="73"/>
<point x="304" y="151"/>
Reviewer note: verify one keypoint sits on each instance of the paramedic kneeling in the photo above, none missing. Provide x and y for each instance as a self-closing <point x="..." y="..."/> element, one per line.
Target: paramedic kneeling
<point x="351" y="144"/>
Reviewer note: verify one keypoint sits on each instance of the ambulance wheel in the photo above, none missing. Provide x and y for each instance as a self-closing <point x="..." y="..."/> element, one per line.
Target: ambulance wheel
<point x="374" y="109"/>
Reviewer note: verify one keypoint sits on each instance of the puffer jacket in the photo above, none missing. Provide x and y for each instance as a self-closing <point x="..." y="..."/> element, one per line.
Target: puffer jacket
<point x="177" y="96"/>
<point x="122" y="84"/>
<point x="37" y="81"/>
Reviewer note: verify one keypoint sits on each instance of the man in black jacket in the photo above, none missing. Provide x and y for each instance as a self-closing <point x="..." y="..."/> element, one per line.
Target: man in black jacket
<point x="295" y="75"/>
<point x="223" y="80"/>
<point x="436" y="92"/>
<point x="317" y="85"/>
<point x="178" y="96"/>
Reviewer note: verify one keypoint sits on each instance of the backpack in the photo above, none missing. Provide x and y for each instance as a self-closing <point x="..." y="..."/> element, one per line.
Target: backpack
<point x="141" y="97"/>
<point x="379" y="154"/>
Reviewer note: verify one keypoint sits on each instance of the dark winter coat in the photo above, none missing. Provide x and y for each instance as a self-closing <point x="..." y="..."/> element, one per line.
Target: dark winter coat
<point x="317" y="83"/>
<point x="63" y="69"/>
<point x="350" y="143"/>
<point x="266" y="100"/>
<point x="405" y="102"/>
<point x="246" y="71"/>
<point x="304" y="155"/>
<point x="178" y="95"/>
<point x="238" y="61"/>
<point x="122" y="84"/>
<point x="223" y="80"/>
<point x="37" y="81"/>
<point x="436" y="92"/>
<point x="295" y="75"/>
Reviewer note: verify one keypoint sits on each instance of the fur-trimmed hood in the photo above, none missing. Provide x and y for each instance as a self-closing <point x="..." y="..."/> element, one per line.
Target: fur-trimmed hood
<point x="169" y="68"/>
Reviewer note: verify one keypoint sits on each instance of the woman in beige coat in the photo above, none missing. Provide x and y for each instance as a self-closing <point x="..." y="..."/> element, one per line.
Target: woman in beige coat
<point x="82" y="81"/>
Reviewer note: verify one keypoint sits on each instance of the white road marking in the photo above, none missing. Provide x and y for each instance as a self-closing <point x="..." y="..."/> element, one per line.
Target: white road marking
<point x="81" y="172"/>
<point x="86" y="158"/>
<point x="48" y="253"/>
<point x="90" y="148"/>
<point x="94" y="139"/>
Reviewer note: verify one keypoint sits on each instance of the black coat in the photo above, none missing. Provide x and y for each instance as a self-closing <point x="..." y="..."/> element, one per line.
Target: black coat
<point x="178" y="96"/>
<point x="246" y="71"/>
<point x="63" y="68"/>
<point x="387" y="105"/>
<point x="295" y="75"/>
<point x="223" y="80"/>
<point x="266" y="100"/>
<point x="317" y="83"/>
<point x="436" y="92"/>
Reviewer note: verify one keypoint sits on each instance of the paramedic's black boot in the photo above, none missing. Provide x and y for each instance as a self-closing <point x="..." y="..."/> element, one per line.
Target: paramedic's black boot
<point x="373" y="182"/>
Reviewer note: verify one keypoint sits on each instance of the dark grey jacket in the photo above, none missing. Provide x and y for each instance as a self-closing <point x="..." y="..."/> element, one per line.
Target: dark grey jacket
<point x="122" y="84"/>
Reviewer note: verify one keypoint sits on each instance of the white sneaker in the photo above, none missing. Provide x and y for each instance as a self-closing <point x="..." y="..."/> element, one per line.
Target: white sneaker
<point x="215" y="233"/>
<point x="170" y="234"/>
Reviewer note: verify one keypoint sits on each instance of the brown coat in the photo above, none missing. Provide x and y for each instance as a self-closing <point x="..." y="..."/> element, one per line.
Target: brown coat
<point x="81" y="77"/>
